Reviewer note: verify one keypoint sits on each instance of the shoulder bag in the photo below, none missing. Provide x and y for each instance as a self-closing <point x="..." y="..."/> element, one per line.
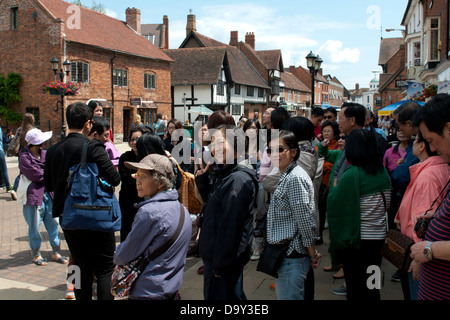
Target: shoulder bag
<point x="14" y="146"/>
<point x="124" y="276"/>
<point x="397" y="246"/>
<point x="272" y="255"/>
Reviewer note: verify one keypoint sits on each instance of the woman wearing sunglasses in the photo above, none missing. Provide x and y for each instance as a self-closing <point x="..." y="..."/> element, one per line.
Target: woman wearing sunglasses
<point x="292" y="218"/>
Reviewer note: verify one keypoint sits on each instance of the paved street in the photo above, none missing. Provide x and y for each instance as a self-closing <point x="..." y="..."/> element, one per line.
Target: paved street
<point x="22" y="280"/>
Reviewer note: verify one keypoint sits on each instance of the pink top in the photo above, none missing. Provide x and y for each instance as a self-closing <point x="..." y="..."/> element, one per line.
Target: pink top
<point x="391" y="157"/>
<point x="428" y="178"/>
<point x="113" y="153"/>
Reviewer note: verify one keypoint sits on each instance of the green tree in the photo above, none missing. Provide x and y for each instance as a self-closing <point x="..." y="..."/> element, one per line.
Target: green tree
<point x="95" y="6"/>
<point x="9" y="93"/>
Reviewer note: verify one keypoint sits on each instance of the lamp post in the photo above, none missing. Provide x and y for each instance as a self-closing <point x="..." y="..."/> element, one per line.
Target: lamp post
<point x="313" y="63"/>
<point x="66" y="66"/>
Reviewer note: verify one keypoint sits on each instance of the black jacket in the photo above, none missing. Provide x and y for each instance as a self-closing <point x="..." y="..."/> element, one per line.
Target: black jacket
<point x="227" y="227"/>
<point x="67" y="153"/>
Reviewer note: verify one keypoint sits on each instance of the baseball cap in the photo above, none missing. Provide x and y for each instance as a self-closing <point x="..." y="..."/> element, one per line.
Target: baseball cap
<point x="154" y="162"/>
<point x="36" y="137"/>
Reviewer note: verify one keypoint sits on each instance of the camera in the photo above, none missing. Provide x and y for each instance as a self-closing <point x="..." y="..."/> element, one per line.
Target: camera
<point x="421" y="227"/>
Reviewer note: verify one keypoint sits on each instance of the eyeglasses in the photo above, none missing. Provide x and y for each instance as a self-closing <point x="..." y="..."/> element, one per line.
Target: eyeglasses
<point x="342" y="137"/>
<point x="280" y="150"/>
<point x="328" y="117"/>
<point x="133" y="140"/>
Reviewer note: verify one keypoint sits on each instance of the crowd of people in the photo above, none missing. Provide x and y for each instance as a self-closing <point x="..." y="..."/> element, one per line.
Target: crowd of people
<point x="280" y="182"/>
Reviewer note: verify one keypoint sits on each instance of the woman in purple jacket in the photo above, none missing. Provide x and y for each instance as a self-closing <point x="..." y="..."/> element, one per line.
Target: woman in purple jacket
<point x="37" y="202"/>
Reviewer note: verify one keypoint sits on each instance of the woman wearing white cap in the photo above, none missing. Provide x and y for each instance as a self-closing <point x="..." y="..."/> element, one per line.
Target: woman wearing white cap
<point x="37" y="202"/>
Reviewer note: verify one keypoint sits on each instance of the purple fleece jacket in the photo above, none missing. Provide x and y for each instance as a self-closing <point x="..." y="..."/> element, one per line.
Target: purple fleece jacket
<point x="33" y="169"/>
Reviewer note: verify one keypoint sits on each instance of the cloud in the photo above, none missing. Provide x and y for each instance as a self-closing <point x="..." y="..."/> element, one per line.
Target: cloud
<point x="333" y="52"/>
<point x="111" y="13"/>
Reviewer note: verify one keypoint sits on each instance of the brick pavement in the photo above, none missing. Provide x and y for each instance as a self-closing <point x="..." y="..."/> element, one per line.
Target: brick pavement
<point x="21" y="279"/>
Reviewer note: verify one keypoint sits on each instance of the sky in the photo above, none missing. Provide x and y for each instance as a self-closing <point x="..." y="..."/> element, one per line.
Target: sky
<point x="346" y="34"/>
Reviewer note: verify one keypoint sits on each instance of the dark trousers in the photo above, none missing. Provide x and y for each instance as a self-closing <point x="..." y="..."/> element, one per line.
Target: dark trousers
<point x="93" y="253"/>
<point x="227" y="287"/>
<point x="355" y="263"/>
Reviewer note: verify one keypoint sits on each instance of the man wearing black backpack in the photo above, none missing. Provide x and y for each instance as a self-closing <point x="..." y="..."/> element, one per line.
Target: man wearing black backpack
<point x="91" y="251"/>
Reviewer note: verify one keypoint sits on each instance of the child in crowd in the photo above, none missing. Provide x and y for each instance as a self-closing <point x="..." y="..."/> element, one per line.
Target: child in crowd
<point x="100" y="132"/>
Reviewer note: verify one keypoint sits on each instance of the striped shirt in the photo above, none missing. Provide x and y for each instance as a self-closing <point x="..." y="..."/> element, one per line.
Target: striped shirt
<point x="292" y="211"/>
<point x="373" y="216"/>
<point x="434" y="281"/>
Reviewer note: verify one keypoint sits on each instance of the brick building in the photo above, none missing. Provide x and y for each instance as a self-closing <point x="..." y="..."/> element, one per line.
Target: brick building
<point x="321" y="90"/>
<point x="109" y="60"/>
<point x="427" y="38"/>
<point x="294" y="94"/>
<point x="392" y="59"/>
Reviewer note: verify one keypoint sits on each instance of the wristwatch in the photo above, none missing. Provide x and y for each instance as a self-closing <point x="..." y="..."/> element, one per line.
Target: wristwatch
<point x="427" y="251"/>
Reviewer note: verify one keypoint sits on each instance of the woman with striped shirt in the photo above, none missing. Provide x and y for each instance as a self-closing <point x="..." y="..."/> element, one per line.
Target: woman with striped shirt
<point x="357" y="214"/>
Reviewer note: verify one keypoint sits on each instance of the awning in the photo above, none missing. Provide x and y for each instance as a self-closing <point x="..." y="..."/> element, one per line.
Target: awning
<point x="386" y="111"/>
<point x="202" y="110"/>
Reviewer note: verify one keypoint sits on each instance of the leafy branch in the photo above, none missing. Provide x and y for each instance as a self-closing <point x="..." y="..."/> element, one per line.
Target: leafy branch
<point x="9" y="93"/>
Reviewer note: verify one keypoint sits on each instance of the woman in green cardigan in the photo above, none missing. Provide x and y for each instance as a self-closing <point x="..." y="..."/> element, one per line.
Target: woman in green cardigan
<point x="356" y="215"/>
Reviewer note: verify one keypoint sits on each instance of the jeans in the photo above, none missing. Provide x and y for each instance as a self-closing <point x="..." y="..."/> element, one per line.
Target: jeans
<point x="34" y="216"/>
<point x="413" y="287"/>
<point x="4" y="169"/>
<point x="290" y="284"/>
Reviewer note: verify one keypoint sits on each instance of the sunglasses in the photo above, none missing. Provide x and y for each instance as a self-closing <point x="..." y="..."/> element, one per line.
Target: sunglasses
<point x="280" y="150"/>
<point x="328" y="117"/>
<point x="342" y="137"/>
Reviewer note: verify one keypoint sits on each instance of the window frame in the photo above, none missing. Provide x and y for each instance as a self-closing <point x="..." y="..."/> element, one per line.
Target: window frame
<point x="150" y="80"/>
<point x="119" y="80"/>
<point x="436" y="43"/>
<point x="14" y="18"/>
<point x="85" y="74"/>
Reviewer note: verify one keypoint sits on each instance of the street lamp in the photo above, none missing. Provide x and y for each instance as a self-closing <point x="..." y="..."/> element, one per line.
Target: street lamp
<point x="313" y="63"/>
<point x="66" y="66"/>
<point x="55" y="65"/>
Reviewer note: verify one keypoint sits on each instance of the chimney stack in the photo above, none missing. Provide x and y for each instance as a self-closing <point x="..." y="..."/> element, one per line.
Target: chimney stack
<point x="234" y="40"/>
<point x="134" y="19"/>
<point x="357" y="87"/>
<point x="191" y="23"/>
<point x="250" y="39"/>
<point x="166" y="32"/>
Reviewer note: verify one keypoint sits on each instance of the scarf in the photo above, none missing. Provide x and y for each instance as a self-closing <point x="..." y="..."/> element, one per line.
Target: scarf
<point x="343" y="205"/>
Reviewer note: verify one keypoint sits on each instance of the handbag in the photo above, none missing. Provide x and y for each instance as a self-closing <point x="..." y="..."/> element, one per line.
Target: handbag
<point x="22" y="189"/>
<point x="397" y="246"/>
<point x="91" y="203"/>
<point x="397" y="249"/>
<point x="271" y="258"/>
<point x="124" y="277"/>
<point x="187" y="193"/>
<point x="273" y="254"/>
<point x="14" y="146"/>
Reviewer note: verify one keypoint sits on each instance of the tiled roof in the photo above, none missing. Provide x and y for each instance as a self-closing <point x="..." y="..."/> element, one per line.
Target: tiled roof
<point x="99" y="30"/>
<point x="388" y="48"/>
<point x="196" y="66"/>
<point x="203" y="40"/>
<point x="201" y="66"/>
<point x="294" y="83"/>
<point x="242" y="71"/>
<point x="271" y="58"/>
